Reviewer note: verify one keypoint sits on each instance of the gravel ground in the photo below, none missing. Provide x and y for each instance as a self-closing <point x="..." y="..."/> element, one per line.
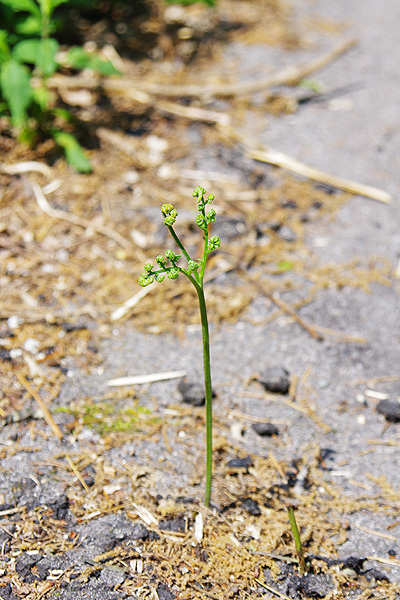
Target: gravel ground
<point x="353" y="134"/>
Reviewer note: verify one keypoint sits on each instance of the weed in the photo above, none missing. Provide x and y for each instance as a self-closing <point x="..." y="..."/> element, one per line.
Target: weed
<point x="303" y="567"/>
<point x="29" y="55"/>
<point x="194" y="271"/>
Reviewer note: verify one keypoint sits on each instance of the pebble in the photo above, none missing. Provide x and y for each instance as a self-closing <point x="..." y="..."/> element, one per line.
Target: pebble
<point x="251" y="506"/>
<point x="177" y="525"/>
<point x="287" y="234"/>
<point x="193" y="392"/>
<point x="275" y="379"/>
<point x="265" y="429"/>
<point x="31" y="345"/>
<point x="164" y="593"/>
<point x="240" y="463"/>
<point x="390" y="409"/>
<point x="139" y="532"/>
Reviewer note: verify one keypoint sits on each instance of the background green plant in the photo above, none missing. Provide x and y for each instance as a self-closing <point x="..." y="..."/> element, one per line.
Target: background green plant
<point x="29" y="55"/>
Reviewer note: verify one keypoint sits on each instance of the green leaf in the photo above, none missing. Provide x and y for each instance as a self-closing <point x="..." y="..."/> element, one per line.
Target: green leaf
<point x="38" y="52"/>
<point x="23" y="6"/>
<point x="46" y="59"/>
<point x="16" y="89"/>
<point x="42" y="96"/>
<point x="78" y="58"/>
<point x="63" y="113"/>
<point x="4" y="47"/>
<point x="26" y="51"/>
<point x="74" y="153"/>
<point x="47" y="7"/>
<point x="30" y="25"/>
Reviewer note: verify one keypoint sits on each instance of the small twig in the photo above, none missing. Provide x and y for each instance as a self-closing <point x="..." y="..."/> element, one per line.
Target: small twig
<point x="46" y="413"/>
<point x="193" y="113"/>
<point x="76" y="472"/>
<point x="12" y="511"/>
<point x="251" y="419"/>
<point x="139" y="90"/>
<point x="25" y="167"/>
<point x="150" y="378"/>
<point x="122" y="310"/>
<point x="165" y="436"/>
<point x="283" y="306"/>
<point x="385" y="561"/>
<point x="385" y="536"/>
<point x="272" y="590"/>
<point x="276" y="464"/>
<point x="383" y="442"/>
<point x="71" y="218"/>
<point x="279" y="159"/>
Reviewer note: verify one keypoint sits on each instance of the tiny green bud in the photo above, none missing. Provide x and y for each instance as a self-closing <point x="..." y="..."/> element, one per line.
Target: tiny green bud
<point x="211" y="216"/>
<point x="166" y="209"/>
<point x="173" y="273"/>
<point x="192" y="266"/>
<point x="199" y="192"/>
<point x="145" y="279"/>
<point x="169" y="221"/>
<point x="158" y="277"/>
<point x="172" y="256"/>
<point x="148" y="267"/>
<point x="214" y="243"/>
<point x="210" y="198"/>
<point x="201" y="222"/>
<point x="161" y="260"/>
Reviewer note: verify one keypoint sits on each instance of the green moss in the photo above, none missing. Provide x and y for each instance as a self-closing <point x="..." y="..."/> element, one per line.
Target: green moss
<point x="107" y="417"/>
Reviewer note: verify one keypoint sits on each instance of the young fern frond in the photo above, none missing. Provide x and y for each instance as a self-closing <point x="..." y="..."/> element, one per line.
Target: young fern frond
<point x="194" y="271"/>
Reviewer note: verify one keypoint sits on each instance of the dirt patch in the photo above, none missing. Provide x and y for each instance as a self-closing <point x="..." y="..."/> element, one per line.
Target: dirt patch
<point x="113" y="508"/>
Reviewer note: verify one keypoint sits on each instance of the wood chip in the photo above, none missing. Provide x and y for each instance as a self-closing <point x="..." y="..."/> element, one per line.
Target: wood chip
<point x="150" y="378"/>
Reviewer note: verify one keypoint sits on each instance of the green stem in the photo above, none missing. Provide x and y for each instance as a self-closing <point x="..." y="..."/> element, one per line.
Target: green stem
<point x="182" y="247"/>
<point x="208" y="390"/>
<point x="297" y="540"/>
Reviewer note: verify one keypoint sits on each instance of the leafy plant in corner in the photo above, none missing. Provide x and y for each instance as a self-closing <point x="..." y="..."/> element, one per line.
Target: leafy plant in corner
<point x="194" y="271"/>
<point x="29" y="55"/>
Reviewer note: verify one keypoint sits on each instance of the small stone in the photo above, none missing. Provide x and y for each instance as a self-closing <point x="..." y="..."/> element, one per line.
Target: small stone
<point x="24" y="564"/>
<point x="139" y="532"/>
<point x="353" y="562"/>
<point x="317" y="586"/>
<point x="287" y="234"/>
<point x="193" y="392"/>
<point x="251" y="506"/>
<point x="265" y="429"/>
<point x="375" y="574"/>
<point x="240" y="463"/>
<point x="164" y="593"/>
<point x="111" y="577"/>
<point x="275" y="379"/>
<point x="390" y="409"/>
<point x="177" y="525"/>
<point x="5" y="354"/>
